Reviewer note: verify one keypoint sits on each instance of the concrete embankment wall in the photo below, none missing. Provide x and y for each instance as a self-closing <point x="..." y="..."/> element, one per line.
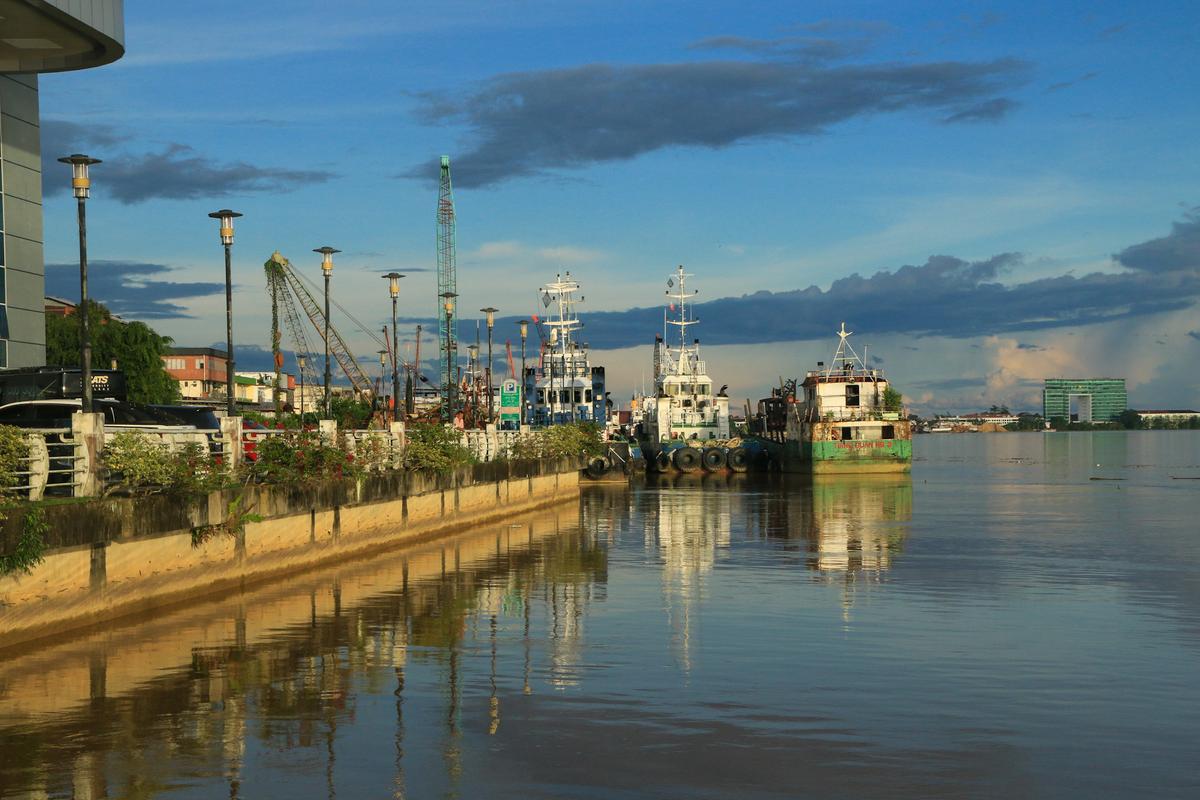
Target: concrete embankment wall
<point x="117" y="556"/>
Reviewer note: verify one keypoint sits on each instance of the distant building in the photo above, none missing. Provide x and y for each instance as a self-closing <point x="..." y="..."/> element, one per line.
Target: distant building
<point x="1084" y="399"/>
<point x="979" y="419"/>
<point x="199" y="370"/>
<point x="1171" y="415"/>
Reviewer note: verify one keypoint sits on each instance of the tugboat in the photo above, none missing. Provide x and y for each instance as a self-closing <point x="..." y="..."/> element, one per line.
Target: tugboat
<point x="564" y="387"/>
<point x="848" y="419"/>
<point x="685" y="424"/>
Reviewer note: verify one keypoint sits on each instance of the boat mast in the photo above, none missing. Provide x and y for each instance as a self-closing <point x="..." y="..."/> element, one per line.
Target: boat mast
<point x="683" y="322"/>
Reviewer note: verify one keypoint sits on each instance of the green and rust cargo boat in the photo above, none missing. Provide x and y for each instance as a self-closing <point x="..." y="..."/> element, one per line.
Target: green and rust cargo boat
<point x="842" y="418"/>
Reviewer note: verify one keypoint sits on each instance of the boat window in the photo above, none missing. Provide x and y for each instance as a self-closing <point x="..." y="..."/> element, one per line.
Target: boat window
<point x="672" y="389"/>
<point x="889" y="432"/>
<point x="852" y="394"/>
<point x="703" y="388"/>
<point x="564" y="396"/>
<point x="541" y="396"/>
<point x="847" y="434"/>
<point x="578" y="395"/>
<point x="587" y="395"/>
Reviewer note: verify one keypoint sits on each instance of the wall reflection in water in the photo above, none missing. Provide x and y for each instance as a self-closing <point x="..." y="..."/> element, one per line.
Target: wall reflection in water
<point x="182" y="696"/>
<point x="399" y="669"/>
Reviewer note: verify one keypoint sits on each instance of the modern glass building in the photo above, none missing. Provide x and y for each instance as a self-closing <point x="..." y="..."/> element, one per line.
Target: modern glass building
<point x="37" y="36"/>
<point x="1084" y="399"/>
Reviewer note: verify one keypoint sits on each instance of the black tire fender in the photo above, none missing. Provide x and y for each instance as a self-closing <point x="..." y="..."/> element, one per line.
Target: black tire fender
<point x="714" y="459"/>
<point x="687" y="459"/>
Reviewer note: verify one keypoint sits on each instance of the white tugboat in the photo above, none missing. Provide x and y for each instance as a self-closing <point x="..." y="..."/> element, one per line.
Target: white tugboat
<point x="685" y="423"/>
<point x="564" y="387"/>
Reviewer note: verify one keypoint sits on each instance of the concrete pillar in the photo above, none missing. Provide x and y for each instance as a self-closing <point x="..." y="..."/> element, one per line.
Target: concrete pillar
<point x="399" y="441"/>
<point x="231" y="434"/>
<point x="88" y="432"/>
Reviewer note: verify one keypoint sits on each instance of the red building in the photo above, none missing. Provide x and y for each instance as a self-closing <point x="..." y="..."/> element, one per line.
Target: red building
<point x="201" y="371"/>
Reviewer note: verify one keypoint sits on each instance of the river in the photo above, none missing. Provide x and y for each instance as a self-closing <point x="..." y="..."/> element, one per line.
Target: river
<point x="1019" y="618"/>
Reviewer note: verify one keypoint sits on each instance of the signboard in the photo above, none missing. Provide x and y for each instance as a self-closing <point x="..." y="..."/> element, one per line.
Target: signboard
<point x="510" y="405"/>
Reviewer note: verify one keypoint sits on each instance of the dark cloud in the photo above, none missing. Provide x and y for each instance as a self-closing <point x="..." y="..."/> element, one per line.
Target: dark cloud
<point x="951" y="384"/>
<point x="1028" y="346"/>
<point x="987" y="111"/>
<point x="945" y="296"/>
<point x="1114" y="30"/>
<point x="175" y="172"/>
<point x="1194" y="334"/>
<point x="527" y="123"/>
<point x="128" y="288"/>
<point x="1058" y="87"/>
<point x="1178" y="250"/>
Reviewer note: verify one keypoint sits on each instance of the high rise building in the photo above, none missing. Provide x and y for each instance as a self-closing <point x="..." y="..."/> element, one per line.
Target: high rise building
<point x="38" y="36"/>
<point x="1084" y="399"/>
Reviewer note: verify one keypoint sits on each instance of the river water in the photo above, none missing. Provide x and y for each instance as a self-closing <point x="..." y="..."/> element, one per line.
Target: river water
<point x="1019" y="618"/>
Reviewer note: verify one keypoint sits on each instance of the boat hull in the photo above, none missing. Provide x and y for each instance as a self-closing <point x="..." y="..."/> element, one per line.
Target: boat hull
<point x="858" y="457"/>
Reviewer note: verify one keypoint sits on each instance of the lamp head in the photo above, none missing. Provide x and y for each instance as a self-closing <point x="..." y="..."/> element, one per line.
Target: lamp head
<point x="393" y="279"/>
<point x="524" y="328"/>
<point x="227" y="217"/>
<point x="326" y="258"/>
<point x="491" y="316"/>
<point x="80" y="184"/>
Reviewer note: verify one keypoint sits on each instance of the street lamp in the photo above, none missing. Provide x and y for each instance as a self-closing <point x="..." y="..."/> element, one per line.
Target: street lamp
<point x="393" y="279"/>
<point x="491" y="323"/>
<point x="449" y="375"/>
<point x="300" y="363"/>
<point x="327" y="268"/>
<point x="227" y="217"/>
<point x="524" y="325"/>
<point x="81" y="185"/>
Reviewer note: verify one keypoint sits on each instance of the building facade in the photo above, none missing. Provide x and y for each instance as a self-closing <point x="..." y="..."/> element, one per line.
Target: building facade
<point x="1084" y="399"/>
<point x="201" y="372"/>
<point x="37" y="36"/>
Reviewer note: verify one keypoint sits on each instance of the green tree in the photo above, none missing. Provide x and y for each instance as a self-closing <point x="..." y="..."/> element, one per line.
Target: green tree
<point x="1130" y="419"/>
<point x="136" y="348"/>
<point x="892" y="399"/>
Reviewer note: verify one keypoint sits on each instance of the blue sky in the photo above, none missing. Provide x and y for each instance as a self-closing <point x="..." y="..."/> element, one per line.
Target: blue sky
<point x="1035" y="169"/>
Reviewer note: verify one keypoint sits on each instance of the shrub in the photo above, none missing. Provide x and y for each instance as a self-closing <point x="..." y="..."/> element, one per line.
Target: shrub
<point x="576" y="439"/>
<point x="13" y="452"/>
<point x="301" y="457"/>
<point x="142" y="463"/>
<point x="435" y="447"/>
<point x="139" y="462"/>
<point x="892" y="399"/>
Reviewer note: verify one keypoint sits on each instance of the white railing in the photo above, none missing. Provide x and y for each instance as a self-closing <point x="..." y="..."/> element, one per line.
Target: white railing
<point x="54" y="465"/>
<point x="490" y="445"/>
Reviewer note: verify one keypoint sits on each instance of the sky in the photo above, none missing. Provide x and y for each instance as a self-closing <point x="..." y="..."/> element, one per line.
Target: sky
<point x="987" y="194"/>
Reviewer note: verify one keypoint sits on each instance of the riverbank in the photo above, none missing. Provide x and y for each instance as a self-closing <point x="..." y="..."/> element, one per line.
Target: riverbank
<point x="107" y="558"/>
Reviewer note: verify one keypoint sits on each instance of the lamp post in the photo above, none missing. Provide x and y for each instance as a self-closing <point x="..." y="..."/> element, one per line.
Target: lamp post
<point x="449" y="377"/>
<point x="327" y="269"/>
<point x="491" y="323"/>
<point x="300" y="362"/>
<point x="81" y="185"/>
<point x="524" y="326"/>
<point x="227" y="217"/>
<point x="393" y="279"/>
<point x="383" y="378"/>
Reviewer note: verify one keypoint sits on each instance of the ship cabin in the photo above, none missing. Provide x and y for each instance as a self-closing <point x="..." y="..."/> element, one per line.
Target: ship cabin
<point x="686" y="408"/>
<point x="568" y="389"/>
<point x="846" y="403"/>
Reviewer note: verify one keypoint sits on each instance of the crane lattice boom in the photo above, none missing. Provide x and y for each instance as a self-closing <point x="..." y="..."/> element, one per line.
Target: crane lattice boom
<point x="279" y="270"/>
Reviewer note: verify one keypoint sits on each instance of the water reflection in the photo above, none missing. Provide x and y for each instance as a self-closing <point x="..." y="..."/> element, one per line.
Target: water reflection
<point x="685" y="638"/>
<point x="127" y="711"/>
